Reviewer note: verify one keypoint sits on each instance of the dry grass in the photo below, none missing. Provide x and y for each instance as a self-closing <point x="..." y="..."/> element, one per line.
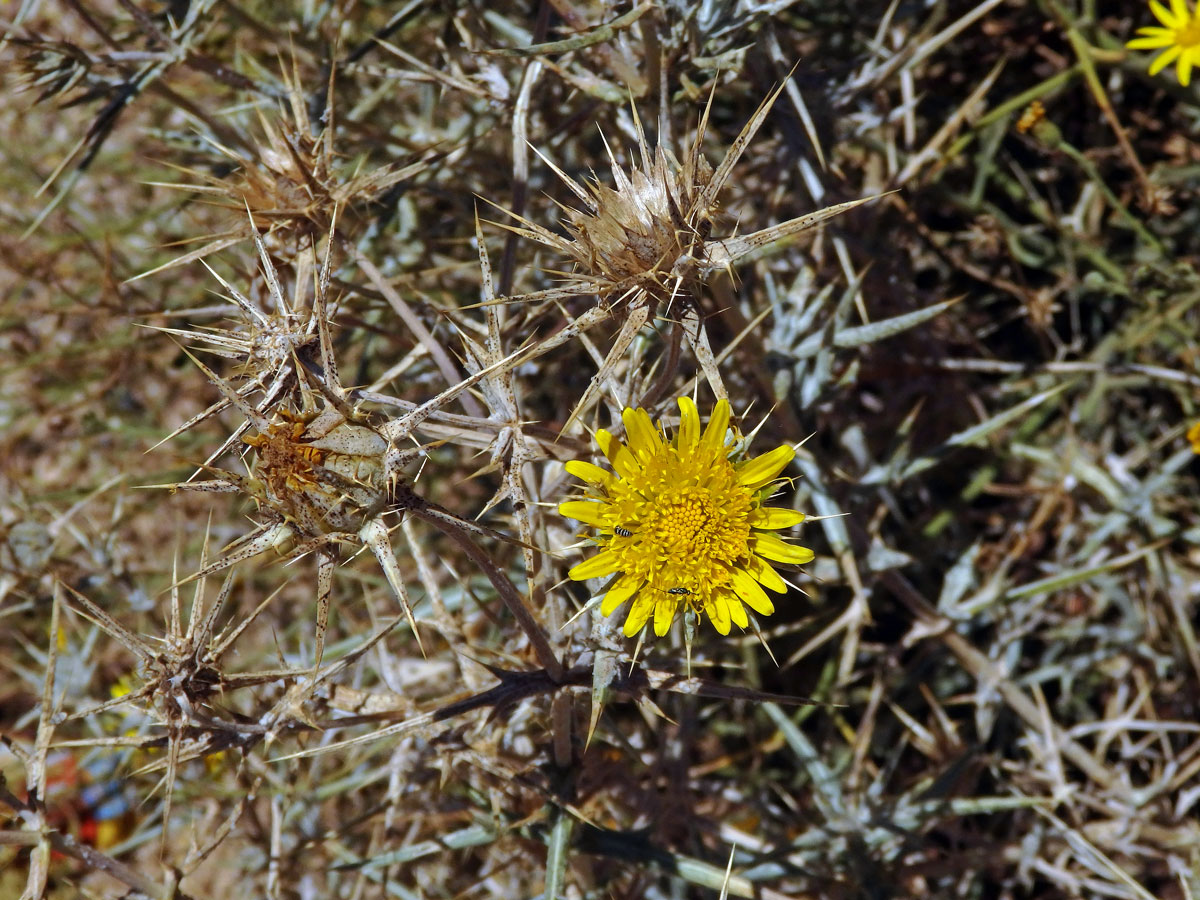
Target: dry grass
<point x="315" y="246"/>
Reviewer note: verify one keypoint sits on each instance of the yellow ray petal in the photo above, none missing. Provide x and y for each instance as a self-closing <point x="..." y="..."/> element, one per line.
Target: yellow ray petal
<point x="590" y="512"/>
<point x="1164" y="59"/>
<point x="717" y="608"/>
<point x="755" y="473"/>
<point x="737" y="612"/>
<point x="1180" y="11"/>
<point x="689" y="425"/>
<point x="644" y="439"/>
<point x="775" y="517"/>
<point x="751" y="594"/>
<point x="592" y="474"/>
<point x="718" y="424"/>
<point x="770" y="547"/>
<point x="604" y="563"/>
<point x="639" y="613"/>
<point x="761" y="571"/>
<point x="1166" y="39"/>
<point x="1184" y="70"/>
<point x="625" y="588"/>
<point x="665" y="608"/>
<point x="1164" y="15"/>
<point x="618" y="454"/>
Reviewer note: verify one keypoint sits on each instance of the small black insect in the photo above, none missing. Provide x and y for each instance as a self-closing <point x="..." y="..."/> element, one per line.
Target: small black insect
<point x="622" y="532"/>
<point x="678" y="591"/>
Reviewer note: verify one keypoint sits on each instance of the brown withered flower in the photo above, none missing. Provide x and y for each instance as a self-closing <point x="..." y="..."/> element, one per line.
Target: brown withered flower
<point x="320" y="477"/>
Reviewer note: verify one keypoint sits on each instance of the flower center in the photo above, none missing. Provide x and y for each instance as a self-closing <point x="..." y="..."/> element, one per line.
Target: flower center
<point x="691" y="519"/>
<point x="1189" y="35"/>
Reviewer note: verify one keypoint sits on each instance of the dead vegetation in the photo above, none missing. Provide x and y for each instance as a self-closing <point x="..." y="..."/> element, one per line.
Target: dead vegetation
<point x="305" y="306"/>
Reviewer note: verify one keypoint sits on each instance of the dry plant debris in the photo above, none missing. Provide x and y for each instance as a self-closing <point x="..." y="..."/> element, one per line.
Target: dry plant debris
<point x="316" y="315"/>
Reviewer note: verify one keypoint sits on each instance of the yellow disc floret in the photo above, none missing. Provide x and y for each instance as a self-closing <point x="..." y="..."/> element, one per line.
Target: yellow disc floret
<point x="683" y="523"/>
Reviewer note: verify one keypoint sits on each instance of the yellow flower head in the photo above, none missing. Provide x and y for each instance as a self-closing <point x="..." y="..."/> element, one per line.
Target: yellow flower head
<point x="683" y="522"/>
<point x="1193" y="436"/>
<point x="1180" y="36"/>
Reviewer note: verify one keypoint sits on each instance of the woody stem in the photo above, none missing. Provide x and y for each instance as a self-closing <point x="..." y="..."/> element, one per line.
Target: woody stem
<point x="510" y="596"/>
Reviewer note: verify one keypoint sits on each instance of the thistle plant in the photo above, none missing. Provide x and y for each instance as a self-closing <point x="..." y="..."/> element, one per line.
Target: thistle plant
<point x="325" y="473"/>
<point x="993" y="370"/>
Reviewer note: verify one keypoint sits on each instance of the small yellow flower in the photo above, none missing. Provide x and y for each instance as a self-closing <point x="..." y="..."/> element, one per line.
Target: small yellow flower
<point x="1180" y="37"/>
<point x="683" y="522"/>
<point x="1193" y="436"/>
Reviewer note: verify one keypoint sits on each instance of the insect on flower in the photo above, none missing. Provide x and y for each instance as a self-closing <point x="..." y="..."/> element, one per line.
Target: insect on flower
<point x="706" y="541"/>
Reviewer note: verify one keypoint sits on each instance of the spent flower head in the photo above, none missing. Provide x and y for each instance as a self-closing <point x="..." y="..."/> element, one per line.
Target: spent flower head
<point x="683" y="521"/>
<point x="1179" y="39"/>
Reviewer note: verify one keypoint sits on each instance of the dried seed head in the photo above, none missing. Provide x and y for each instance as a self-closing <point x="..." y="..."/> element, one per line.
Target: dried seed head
<point x="291" y="180"/>
<point x="641" y="228"/>
<point x="647" y="238"/>
<point x="321" y="481"/>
